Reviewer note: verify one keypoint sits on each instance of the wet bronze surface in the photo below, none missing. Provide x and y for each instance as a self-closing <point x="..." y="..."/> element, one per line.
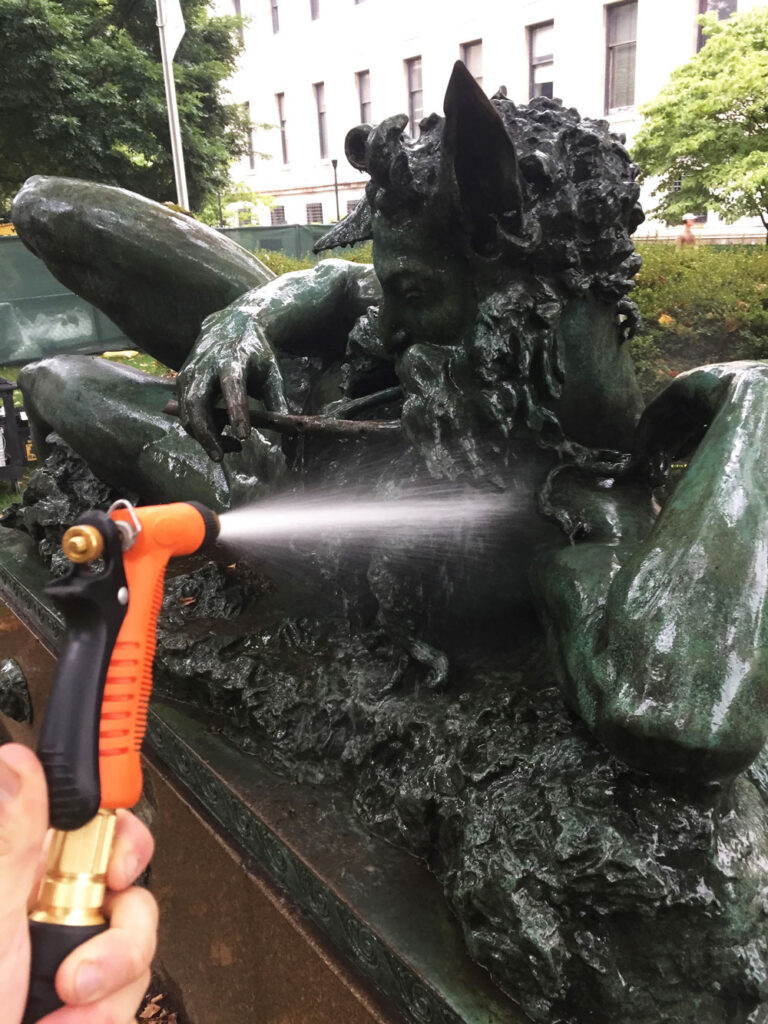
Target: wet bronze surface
<point x="566" y="719"/>
<point x="269" y="890"/>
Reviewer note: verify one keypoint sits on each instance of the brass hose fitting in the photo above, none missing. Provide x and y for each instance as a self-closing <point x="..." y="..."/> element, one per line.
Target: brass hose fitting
<point x="82" y="544"/>
<point x="75" y="881"/>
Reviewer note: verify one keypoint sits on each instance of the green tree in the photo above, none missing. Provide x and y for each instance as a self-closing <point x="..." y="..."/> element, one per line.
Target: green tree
<point x="235" y="192"/>
<point x="81" y="94"/>
<point x="708" y="129"/>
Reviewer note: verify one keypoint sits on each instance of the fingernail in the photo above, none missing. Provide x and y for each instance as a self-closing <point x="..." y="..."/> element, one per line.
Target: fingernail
<point x="10" y="781"/>
<point x="88" y="980"/>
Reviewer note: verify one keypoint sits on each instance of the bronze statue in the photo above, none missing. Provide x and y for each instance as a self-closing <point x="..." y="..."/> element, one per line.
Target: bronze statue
<point x="497" y="305"/>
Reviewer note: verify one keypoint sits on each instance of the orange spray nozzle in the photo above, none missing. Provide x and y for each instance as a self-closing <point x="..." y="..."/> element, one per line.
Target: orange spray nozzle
<point x="151" y="536"/>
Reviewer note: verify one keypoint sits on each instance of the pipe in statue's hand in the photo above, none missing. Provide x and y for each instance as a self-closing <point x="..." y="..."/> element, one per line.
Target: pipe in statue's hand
<point x="106" y="977"/>
<point x="231" y="358"/>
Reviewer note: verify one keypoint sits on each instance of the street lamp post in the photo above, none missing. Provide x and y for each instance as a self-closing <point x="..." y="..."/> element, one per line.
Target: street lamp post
<point x="334" y="165"/>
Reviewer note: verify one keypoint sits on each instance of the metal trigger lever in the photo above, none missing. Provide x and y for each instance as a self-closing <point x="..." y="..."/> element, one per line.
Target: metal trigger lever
<point x="128" y="531"/>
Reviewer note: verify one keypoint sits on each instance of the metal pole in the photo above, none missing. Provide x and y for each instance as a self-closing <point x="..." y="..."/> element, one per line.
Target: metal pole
<point x="334" y="164"/>
<point x="179" y="173"/>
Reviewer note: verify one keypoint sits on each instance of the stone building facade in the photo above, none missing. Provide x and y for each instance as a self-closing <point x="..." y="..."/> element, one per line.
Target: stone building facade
<point x="315" y="68"/>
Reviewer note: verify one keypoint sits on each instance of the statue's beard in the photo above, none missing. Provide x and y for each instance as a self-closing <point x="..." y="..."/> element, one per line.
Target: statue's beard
<point x="458" y="427"/>
<point x="465" y="403"/>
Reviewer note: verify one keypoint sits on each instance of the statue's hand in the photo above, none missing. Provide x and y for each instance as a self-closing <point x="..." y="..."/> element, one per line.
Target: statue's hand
<point x="675" y="422"/>
<point x="231" y="359"/>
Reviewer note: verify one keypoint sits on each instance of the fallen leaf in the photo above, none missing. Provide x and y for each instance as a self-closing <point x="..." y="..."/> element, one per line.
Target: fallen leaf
<point x="187" y="600"/>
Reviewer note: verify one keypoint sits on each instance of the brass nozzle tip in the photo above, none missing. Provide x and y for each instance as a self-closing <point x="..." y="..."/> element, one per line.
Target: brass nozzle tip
<point x="82" y="544"/>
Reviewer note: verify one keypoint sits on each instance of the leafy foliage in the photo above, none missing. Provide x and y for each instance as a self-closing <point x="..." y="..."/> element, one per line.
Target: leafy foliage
<point x="81" y="94"/>
<point x="280" y="263"/>
<point x="236" y="192"/>
<point x="708" y="129"/>
<point x="702" y="305"/>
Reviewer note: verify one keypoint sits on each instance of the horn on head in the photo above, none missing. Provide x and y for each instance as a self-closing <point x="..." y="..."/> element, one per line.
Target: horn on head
<point x="383" y="145"/>
<point x="483" y="156"/>
<point x="356" y="227"/>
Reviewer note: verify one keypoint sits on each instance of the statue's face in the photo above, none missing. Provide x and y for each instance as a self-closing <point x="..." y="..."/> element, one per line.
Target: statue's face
<point x="428" y="293"/>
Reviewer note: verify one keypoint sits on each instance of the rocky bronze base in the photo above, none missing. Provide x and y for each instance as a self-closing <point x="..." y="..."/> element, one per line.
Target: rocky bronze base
<point x="275" y="903"/>
<point x="589" y="891"/>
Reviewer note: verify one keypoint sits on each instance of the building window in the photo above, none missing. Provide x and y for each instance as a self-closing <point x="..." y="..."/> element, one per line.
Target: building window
<point x="472" y="57"/>
<point x="277" y="215"/>
<point x="314" y="213"/>
<point x="415" y="94"/>
<point x="352" y="205"/>
<point x="363" y="79"/>
<point x="280" y="100"/>
<point x="322" y="134"/>
<point x="275" y="16"/>
<point x="724" y="9"/>
<point x="244" y="217"/>
<point x="314" y="9"/>
<point x="541" y="60"/>
<point x="621" y="47"/>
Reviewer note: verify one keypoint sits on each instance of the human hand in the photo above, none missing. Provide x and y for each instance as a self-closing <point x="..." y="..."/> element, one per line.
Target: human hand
<point x="231" y="357"/>
<point x="104" y="979"/>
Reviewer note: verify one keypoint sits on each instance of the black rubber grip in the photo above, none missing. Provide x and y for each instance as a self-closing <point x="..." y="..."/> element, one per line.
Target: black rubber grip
<point x="68" y="745"/>
<point x="51" y="944"/>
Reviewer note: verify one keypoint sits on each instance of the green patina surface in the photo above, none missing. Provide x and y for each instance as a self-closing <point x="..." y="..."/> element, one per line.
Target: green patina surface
<point x="605" y="866"/>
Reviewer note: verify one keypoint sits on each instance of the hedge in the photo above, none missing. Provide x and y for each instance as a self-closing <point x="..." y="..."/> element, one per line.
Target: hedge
<point x="702" y="305"/>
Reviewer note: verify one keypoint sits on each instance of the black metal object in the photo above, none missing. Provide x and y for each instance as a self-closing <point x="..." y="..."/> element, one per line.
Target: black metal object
<point x="15" y="434"/>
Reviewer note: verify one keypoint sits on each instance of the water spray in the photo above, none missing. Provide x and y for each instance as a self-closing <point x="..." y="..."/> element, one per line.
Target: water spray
<point x="96" y="715"/>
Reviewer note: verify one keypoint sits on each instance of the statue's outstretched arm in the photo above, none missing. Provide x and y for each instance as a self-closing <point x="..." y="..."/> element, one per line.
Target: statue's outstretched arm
<point x="236" y="353"/>
<point x="662" y="645"/>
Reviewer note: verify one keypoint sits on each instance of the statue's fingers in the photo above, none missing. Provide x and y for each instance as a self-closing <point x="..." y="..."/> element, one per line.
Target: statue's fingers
<point x="236" y="400"/>
<point x="196" y="415"/>
<point x="273" y="389"/>
<point x="677" y="418"/>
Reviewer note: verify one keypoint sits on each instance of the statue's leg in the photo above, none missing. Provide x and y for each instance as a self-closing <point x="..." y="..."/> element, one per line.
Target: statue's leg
<point x="156" y="273"/>
<point x="112" y="416"/>
<point x="662" y="645"/>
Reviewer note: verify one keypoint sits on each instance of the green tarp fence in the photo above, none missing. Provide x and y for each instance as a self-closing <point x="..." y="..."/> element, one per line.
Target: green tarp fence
<point x="293" y="239"/>
<point x="39" y="317"/>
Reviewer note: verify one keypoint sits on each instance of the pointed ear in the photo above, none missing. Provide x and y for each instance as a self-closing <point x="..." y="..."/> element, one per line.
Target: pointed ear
<point x="483" y="157"/>
<point x="354" y="146"/>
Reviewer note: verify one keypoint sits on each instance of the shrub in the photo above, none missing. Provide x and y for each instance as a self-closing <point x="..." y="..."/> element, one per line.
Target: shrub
<point x="702" y="305"/>
<point x="281" y="263"/>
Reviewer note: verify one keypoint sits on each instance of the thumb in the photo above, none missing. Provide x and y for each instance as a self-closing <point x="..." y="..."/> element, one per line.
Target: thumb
<point x="23" y="822"/>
